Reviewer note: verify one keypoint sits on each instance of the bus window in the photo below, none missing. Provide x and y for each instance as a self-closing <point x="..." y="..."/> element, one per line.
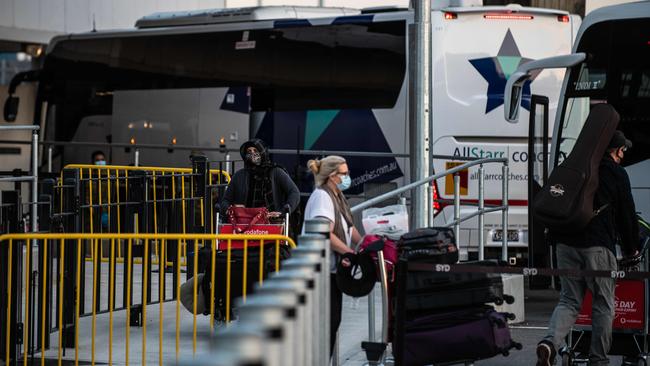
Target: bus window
<point x="577" y="110"/>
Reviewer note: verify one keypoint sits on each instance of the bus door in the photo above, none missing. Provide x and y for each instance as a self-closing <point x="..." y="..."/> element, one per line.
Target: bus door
<point x="539" y="250"/>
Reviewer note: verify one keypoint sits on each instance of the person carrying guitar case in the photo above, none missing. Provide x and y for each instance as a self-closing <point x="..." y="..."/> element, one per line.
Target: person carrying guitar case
<point x="592" y="191"/>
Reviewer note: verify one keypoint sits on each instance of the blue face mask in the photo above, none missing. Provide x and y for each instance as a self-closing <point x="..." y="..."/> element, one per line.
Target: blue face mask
<point x="346" y="182"/>
<point x="100" y="162"/>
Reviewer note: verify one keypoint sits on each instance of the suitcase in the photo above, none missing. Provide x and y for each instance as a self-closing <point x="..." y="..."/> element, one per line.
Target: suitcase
<point x="236" y="277"/>
<point x="429" y="245"/>
<point x="462" y="335"/>
<point x="434" y="291"/>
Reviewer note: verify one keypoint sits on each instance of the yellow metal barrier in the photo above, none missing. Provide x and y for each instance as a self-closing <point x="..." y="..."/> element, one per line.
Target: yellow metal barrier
<point x="70" y="279"/>
<point x="101" y="180"/>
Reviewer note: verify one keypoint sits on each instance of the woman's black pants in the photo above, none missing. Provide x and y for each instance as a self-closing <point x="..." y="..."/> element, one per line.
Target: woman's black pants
<point x="336" y="305"/>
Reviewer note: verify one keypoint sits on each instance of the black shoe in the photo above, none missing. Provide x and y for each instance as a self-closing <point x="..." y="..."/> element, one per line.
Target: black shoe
<point x="545" y="353"/>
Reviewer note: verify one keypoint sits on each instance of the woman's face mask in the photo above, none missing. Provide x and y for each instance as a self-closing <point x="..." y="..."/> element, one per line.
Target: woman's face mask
<point x="100" y="162"/>
<point x="346" y="182"/>
<point x="344" y="175"/>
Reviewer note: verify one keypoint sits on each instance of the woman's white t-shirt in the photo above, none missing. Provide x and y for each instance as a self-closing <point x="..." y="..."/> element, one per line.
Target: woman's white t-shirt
<point x="320" y="205"/>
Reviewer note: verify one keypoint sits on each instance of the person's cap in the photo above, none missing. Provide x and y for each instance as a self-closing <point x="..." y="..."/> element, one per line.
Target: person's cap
<point x="619" y="140"/>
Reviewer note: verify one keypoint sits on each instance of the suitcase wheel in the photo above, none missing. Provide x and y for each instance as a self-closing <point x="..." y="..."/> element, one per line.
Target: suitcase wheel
<point x="510" y="316"/>
<point x="498" y="301"/>
<point x="509" y="299"/>
<point x="505" y="353"/>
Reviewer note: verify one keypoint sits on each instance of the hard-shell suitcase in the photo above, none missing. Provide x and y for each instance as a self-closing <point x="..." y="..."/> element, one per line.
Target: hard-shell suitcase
<point x="453" y="298"/>
<point x="426" y="280"/>
<point x="426" y="290"/>
<point x="466" y="334"/>
<point x="429" y="245"/>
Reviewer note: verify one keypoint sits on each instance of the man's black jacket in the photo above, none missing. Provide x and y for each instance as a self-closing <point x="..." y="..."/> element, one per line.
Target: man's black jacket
<point x="284" y="190"/>
<point x="617" y="219"/>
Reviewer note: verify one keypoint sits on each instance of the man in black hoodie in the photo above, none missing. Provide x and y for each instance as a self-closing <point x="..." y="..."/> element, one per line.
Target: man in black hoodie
<point x="261" y="183"/>
<point x="594" y="249"/>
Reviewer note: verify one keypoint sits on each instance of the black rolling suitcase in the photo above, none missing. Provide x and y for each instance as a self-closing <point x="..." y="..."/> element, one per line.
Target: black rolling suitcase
<point x="236" y="277"/>
<point x="434" y="291"/>
<point x="429" y="245"/>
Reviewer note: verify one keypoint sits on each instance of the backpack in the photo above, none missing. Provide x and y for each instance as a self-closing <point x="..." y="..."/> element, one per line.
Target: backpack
<point x="566" y="202"/>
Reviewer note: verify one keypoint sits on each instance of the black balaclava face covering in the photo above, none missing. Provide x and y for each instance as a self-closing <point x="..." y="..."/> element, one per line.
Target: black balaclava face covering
<point x="254" y="160"/>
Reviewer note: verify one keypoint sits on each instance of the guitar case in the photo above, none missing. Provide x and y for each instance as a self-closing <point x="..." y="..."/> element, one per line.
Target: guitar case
<point x="566" y="202"/>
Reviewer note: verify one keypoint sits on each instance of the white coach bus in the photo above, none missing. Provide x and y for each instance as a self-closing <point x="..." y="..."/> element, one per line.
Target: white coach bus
<point x="609" y="64"/>
<point x="306" y="80"/>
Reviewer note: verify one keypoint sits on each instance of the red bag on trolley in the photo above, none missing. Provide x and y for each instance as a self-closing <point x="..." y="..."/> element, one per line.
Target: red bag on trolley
<point x="390" y="250"/>
<point x="253" y="221"/>
<point x="245" y="217"/>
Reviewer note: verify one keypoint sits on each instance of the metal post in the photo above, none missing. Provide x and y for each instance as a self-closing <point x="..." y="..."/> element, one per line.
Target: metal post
<point x="34" y="196"/>
<point x="384" y="297"/>
<point x="457" y="207"/>
<point x="303" y="324"/>
<point x="228" y="163"/>
<point x="269" y="313"/>
<point x="240" y="345"/>
<point x="481" y="207"/>
<point x="372" y="332"/>
<point x="287" y="294"/>
<point x="312" y="247"/>
<point x="200" y="174"/>
<point x="419" y="74"/>
<point x="137" y="157"/>
<point x="430" y="204"/>
<point x="310" y="267"/>
<point x="286" y="224"/>
<point x="322" y="227"/>
<point x="303" y="280"/>
<point x="49" y="158"/>
<point x="504" y="213"/>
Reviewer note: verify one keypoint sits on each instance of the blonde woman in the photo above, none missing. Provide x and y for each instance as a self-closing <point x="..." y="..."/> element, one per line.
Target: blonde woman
<point x="332" y="177"/>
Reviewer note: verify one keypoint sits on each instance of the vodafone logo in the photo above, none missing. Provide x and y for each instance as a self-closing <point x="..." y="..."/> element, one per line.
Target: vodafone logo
<point x="256" y="232"/>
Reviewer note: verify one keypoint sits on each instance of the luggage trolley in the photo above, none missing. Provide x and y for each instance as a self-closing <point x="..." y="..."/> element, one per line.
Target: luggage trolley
<point x="279" y="226"/>
<point x="262" y="258"/>
<point x="630" y="327"/>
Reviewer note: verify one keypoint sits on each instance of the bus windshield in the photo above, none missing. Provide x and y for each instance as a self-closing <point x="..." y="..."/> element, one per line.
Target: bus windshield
<point x="622" y="81"/>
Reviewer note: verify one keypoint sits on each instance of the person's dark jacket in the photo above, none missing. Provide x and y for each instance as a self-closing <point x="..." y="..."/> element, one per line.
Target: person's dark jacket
<point x="285" y="192"/>
<point x="617" y="219"/>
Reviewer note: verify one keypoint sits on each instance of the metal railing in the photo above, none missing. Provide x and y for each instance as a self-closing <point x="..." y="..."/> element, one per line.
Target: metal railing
<point x="481" y="211"/>
<point x="122" y="199"/>
<point x="33" y="312"/>
<point x="33" y="177"/>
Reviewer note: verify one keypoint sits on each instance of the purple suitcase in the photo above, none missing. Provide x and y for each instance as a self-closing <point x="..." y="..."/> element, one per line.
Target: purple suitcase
<point x="473" y="334"/>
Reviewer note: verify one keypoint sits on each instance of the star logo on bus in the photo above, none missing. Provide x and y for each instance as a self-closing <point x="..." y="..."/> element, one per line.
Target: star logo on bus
<point x="496" y="71"/>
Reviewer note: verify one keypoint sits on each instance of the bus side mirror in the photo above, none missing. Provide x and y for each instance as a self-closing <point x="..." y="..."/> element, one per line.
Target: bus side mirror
<point x="11" y="108"/>
<point x="514" y="85"/>
<point x="512" y="97"/>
